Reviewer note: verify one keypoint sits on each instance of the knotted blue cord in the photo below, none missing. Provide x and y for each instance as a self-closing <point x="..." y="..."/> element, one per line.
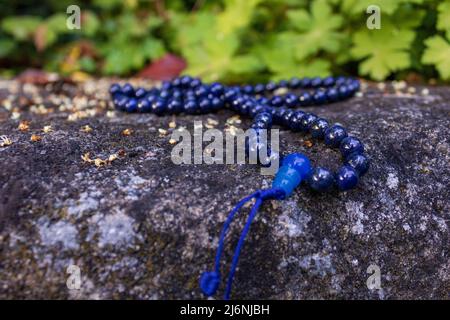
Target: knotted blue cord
<point x="210" y="281"/>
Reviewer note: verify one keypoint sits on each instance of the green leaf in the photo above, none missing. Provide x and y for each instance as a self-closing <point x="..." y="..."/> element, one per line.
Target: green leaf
<point x="6" y="47"/>
<point x="358" y="7"/>
<point x="318" y="29"/>
<point x="383" y="51"/>
<point x="153" y="48"/>
<point x="314" y="68"/>
<point x="21" y="27"/>
<point x="213" y="58"/>
<point x="90" y="23"/>
<point x="443" y="20"/>
<point x="108" y="4"/>
<point x="237" y="14"/>
<point x="245" y="64"/>
<point x="87" y="64"/>
<point x="438" y="53"/>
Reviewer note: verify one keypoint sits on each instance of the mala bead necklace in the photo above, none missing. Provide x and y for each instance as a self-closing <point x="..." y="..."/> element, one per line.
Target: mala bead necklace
<point x="266" y="107"/>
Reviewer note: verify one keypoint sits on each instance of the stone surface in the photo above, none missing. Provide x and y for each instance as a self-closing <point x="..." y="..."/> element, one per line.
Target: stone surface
<point x="141" y="227"/>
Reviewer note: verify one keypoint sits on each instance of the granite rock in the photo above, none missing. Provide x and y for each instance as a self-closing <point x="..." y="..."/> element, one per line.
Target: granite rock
<point x="138" y="226"/>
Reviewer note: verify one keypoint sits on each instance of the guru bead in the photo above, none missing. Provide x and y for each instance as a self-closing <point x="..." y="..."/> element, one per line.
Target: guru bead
<point x="287" y="179"/>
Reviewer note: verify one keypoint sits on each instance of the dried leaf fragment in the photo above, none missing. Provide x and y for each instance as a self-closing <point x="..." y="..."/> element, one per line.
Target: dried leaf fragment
<point x="35" y="138"/>
<point x="24" y="126"/>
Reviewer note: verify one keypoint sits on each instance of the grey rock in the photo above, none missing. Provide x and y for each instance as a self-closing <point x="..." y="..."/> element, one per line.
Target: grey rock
<point x="144" y="228"/>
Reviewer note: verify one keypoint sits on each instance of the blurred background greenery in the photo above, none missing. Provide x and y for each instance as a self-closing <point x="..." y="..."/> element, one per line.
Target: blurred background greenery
<point x="230" y="40"/>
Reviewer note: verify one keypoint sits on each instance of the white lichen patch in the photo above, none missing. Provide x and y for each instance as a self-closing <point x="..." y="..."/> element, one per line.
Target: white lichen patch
<point x="88" y="201"/>
<point x="293" y="222"/>
<point x="318" y="263"/>
<point x="115" y="229"/>
<point x="392" y="181"/>
<point x="59" y="233"/>
<point x="132" y="185"/>
<point x="356" y="216"/>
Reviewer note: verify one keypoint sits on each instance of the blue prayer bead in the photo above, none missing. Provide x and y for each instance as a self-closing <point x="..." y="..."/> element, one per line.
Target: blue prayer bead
<point x="264" y="116"/>
<point x="334" y="135"/>
<point x="248" y="89"/>
<point x="195" y="83"/>
<point x="174" y="106"/>
<point x="282" y="84"/>
<point x="216" y="89"/>
<point x="159" y="106"/>
<point x="253" y="111"/>
<point x="306" y="121"/>
<point x="287" y="179"/>
<point x="332" y="94"/>
<point x="128" y="90"/>
<point x="291" y="100"/>
<point x="305" y="99"/>
<point x="299" y="162"/>
<point x="316" y="82"/>
<point x="140" y="92"/>
<point x="343" y="91"/>
<point x="176" y="82"/>
<point x="120" y="102"/>
<point x="295" y="83"/>
<point x="320" y="97"/>
<point x="295" y="122"/>
<point x="318" y="128"/>
<point x="346" y="178"/>
<point x="115" y="89"/>
<point x="321" y="179"/>
<point x="359" y="162"/>
<point x="276" y="101"/>
<point x="217" y="103"/>
<point x="351" y="145"/>
<point x="131" y="105"/>
<point x="259" y="88"/>
<point x="328" y="81"/>
<point x="271" y="86"/>
<point x="185" y="81"/>
<point x="201" y="91"/>
<point x="190" y="107"/>
<point x="143" y="106"/>
<point x="306" y="82"/>
<point x="285" y="120"/>
<point x="164" y="94"/>
<point x="205" y="105"/>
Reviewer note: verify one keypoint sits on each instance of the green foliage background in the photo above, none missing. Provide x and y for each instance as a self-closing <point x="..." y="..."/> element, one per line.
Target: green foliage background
<point x="231" y="40"/>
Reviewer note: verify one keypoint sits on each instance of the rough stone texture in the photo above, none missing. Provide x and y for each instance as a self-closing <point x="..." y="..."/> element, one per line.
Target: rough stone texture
<point x="144" y="228"/>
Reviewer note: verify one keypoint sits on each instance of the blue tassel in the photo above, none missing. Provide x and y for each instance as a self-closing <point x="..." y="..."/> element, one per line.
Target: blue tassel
<point x="210" y="280"/>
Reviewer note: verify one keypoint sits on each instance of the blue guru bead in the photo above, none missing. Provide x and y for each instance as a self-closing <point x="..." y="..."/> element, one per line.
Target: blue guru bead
<point x="321" y="179"/>
<point x="287" y="179"/>
<point x="346" y="178"/>
<point x="351" y="145"/>
<point x="299" y="162"/>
